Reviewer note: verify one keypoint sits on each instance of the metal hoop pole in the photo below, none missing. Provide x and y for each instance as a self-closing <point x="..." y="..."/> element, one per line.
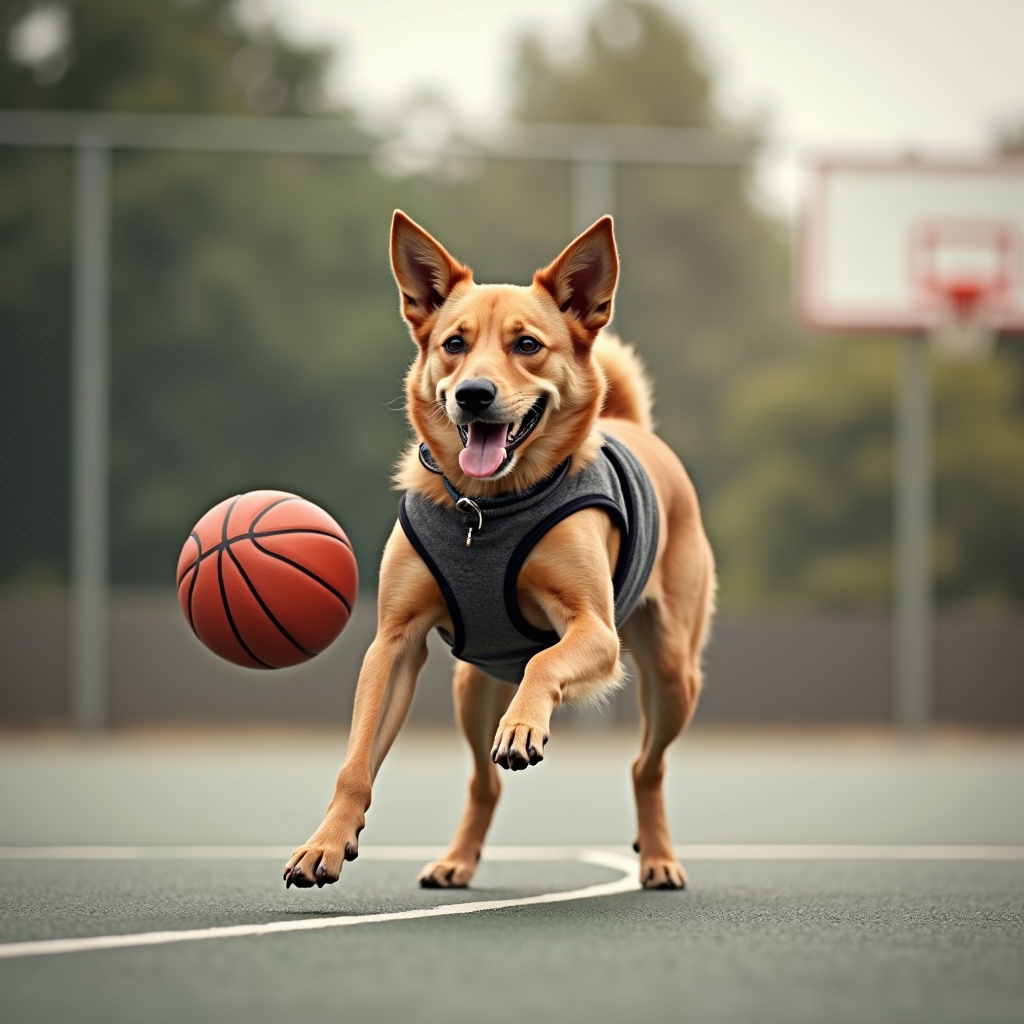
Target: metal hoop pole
<point x="914" y="597"/>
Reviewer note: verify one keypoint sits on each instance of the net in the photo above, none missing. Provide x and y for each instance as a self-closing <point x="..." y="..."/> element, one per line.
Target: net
<point x="964" y="331"/>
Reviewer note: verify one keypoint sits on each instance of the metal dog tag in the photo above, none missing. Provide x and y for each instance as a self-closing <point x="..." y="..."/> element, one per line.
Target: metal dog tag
<point x="465" y="505"/>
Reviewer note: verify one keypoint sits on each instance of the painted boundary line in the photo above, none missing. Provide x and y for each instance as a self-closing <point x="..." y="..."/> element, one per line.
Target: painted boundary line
<point x="615" y="861"/>
<point x="695" y="851"/>
<point x="849" y="851"/>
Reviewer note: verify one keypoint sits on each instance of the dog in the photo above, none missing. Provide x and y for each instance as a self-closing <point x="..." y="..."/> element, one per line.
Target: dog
<point x="533" y="435"/>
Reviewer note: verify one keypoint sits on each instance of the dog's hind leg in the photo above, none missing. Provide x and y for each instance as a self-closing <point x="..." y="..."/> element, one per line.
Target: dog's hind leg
<point x="666" y="648"/>
<point x="480" y="701"/>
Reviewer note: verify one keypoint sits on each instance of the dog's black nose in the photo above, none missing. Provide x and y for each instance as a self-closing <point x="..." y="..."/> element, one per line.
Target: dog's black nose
<point x="475" y="395"/>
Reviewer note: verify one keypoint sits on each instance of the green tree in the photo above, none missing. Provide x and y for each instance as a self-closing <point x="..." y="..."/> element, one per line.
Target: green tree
<point x="254" y="337"/>
<point x="35" y="395"/>
<point x="789" y="437"/>
<point x="979" y="455"/>
<point x="807" y="520"/>
<point x="155" y="57"/>
<point x="638" y="64"/>
<point x="704" y="290"/>
<point x="256" y="344"/>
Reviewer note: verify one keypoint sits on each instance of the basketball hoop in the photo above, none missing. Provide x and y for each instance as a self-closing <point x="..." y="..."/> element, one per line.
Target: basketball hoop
<point x="963" y="331"/>
<point x="919" y="249"/>
<point x="964" y="269"/>
<point x="914" y="247"/>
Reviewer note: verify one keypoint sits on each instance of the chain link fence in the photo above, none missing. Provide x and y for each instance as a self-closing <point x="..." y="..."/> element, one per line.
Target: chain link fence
<point x="255" y="341"/>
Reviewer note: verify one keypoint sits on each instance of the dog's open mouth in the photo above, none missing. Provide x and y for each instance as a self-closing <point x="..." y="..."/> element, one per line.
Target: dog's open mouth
<point x="489" y="446"/>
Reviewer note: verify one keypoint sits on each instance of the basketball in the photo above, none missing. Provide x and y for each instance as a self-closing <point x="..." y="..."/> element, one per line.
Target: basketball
<point x="267" y="579"/>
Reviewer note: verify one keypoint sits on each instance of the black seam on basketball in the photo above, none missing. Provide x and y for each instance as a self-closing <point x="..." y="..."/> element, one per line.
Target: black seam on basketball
<point x="298" y="529"/>
<point x="223" y="589"/>
<point x="307" y="572"/>
<point x="217" y="547"/>
<point x="273" y="504"/>
<point x="227" y="516"/>
<point x="195" y="561"/>
<point x="274" y="533"/>
<point x="195" y="579"/>
<point x="270" y="615"/>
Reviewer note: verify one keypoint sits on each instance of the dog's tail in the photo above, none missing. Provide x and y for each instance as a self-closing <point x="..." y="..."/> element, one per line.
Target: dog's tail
<point x="629" y="395"/>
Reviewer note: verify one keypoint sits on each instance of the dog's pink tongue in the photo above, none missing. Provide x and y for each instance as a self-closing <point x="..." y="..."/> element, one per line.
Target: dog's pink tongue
<point x="485" y="450"/>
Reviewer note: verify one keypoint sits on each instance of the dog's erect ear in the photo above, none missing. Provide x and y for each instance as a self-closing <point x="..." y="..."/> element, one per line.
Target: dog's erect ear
<point x="424" y="270"/>
<point x="582" y="279"/>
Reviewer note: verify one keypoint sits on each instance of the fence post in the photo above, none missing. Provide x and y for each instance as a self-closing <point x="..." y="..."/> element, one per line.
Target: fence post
<point x="913" y="662"/>
<point x="90" y="387"/>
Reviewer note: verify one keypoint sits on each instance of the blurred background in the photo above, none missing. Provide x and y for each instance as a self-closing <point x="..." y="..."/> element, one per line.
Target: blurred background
<point x="222" y="175"/>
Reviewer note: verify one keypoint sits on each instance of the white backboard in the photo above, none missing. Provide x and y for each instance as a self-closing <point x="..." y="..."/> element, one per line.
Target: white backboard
<point x="889" y="245"/>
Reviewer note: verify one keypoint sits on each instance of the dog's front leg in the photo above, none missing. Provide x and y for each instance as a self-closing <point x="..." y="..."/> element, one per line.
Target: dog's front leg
<point x="573" y="589"/>
<point x="409" y="605"/>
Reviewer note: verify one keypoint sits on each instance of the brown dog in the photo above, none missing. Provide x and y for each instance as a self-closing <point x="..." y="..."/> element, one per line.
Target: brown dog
<point x="515" y="394"/>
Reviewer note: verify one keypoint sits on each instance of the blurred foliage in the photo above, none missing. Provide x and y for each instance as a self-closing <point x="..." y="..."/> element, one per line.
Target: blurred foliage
<point x="705" y="273"/>
<point x="807" y="518"/>
<point x="807" y="514"/>
<point x="257" y="343"/>
<point x="35" y="385"/>
<point x="979" y="463"/>
<point x="638" y="65"/>
<point x="160" y="56"/>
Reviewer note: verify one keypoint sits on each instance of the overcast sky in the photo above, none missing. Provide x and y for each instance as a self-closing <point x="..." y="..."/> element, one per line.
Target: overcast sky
<point x="886" y="75"/>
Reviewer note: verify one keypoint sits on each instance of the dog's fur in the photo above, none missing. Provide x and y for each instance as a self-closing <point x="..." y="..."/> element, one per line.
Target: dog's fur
<point x="593" y="383"/>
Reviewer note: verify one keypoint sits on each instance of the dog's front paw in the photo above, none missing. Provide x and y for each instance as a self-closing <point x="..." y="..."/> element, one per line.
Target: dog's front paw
<point x="448" y="873"/>
<point x="518" y="745"/>
<point x="662" y="873"/>
<point x="319" y="861"/>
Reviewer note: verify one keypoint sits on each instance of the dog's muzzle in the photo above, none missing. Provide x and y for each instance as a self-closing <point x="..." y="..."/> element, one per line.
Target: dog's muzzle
<point x="489" y="446"/>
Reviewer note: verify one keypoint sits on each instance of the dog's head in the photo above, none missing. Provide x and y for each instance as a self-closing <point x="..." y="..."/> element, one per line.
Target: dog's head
<point x="504" y="387"/>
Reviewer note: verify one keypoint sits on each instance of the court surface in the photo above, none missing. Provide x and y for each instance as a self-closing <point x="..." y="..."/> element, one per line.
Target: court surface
<point x="833" y="876"/>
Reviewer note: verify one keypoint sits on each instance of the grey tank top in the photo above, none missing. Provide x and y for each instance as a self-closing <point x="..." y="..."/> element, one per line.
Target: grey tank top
<point x="479" y="581"/>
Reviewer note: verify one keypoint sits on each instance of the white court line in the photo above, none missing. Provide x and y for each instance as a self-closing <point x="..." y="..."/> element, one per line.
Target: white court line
<point x="617" y="862"/>
<point x="693" y="851"/>
<point x="848" y="851"/>
<point x="413" y="853"/>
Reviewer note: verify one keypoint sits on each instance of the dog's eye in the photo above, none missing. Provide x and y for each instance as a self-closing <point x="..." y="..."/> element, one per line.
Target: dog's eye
<point x="454" y="345"/>
<point x="527" y="346"/>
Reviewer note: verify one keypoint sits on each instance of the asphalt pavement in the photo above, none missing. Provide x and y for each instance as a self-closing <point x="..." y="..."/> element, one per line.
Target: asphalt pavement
<point x="898" y="895"/>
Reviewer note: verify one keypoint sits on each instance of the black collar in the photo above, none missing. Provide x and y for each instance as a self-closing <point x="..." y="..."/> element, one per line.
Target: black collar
<point x="501" y="503"/>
